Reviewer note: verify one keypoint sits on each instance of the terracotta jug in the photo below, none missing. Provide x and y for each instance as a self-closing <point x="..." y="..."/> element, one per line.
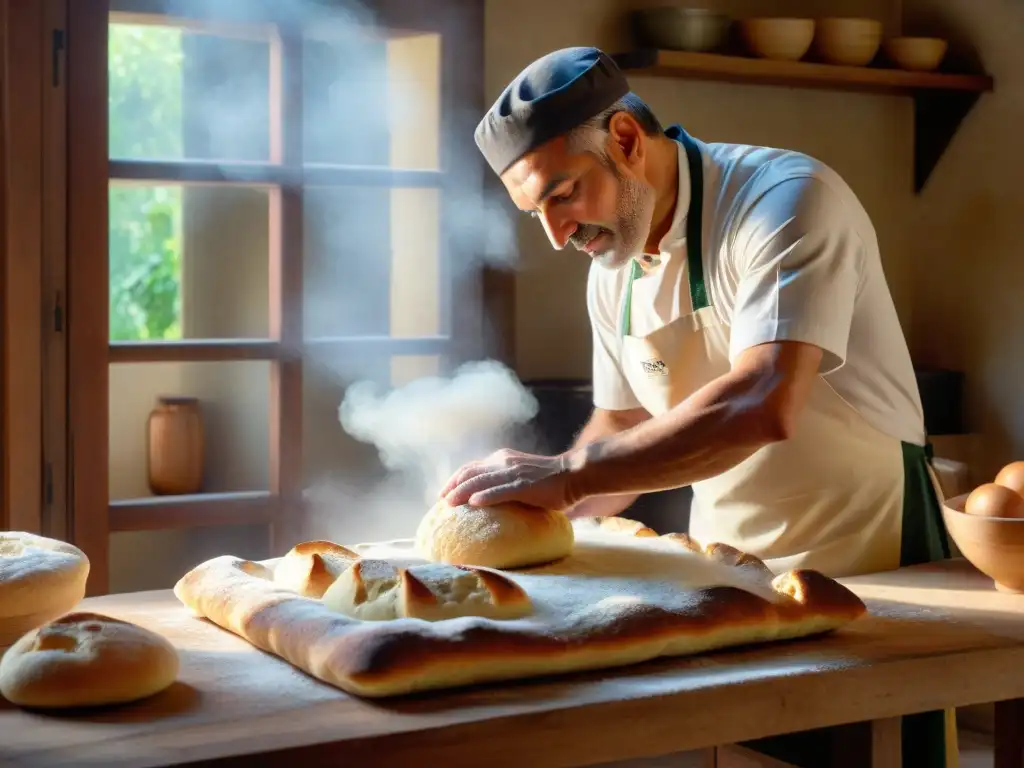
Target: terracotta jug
<point x="175" y="446"/>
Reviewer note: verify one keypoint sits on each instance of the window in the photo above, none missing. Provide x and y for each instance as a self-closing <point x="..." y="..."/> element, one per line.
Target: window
<point x="267" y="209"/>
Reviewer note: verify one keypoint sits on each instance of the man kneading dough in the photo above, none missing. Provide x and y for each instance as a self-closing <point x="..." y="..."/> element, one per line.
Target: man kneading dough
<point x="745" y="342"/>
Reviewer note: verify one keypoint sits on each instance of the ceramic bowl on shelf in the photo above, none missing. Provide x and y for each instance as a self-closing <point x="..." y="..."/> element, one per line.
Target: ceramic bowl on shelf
<point x="917" y="54"/>
<point x="681" y="29"/>
<point x="777" y="38"/>
<point x="993" y="545"/>
<point x="847" y="42"/>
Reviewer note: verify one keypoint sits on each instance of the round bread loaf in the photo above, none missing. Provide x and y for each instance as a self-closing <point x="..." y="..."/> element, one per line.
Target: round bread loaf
<point x="86" y="659"/>
<point x="498" y="536"/>
<point x="40" y="579"/>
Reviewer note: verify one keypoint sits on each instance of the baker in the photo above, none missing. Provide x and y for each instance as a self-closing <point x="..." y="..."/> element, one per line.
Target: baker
<point x="745" y="342"/>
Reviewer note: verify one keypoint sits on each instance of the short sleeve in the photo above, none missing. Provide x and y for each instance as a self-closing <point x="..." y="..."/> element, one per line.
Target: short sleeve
<point x="611" y="388"/>
<point x="799" y="260"/>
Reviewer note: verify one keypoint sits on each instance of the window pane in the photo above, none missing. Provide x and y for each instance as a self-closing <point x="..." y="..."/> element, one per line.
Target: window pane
<point x="233" y="401"/>
<point x="372" y="101"/>
<point x="180" y="94"/>
<point x="188" y="262"/>
<point x="406" y="369"/>
<point x="351" y="496"/>
<point x="373" y="263"/>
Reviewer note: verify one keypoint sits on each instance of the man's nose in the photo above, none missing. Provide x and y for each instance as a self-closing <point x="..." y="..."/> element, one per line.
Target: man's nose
<point x="558" y="228"/>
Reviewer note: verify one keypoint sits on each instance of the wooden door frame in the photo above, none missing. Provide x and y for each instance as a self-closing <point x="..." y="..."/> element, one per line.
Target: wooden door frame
<point x="88" y="285"/>
<point x="22" y="180"/>
<point x="4" y="439"/>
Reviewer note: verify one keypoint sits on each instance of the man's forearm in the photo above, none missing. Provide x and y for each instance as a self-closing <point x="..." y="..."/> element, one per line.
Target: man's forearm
<point x="608" y="505"/>
<point x="604" y="424"/>
<point x="712" y="431"/>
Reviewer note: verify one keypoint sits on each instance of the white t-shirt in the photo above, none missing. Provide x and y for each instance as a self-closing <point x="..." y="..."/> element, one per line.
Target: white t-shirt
<point x="789" y="253"/>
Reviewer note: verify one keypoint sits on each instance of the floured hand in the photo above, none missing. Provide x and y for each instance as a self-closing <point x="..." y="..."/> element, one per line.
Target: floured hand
<point x="512" y="476"/>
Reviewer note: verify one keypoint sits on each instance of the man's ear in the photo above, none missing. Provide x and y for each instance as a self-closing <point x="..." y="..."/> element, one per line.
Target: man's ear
<point x="628" y="137"/>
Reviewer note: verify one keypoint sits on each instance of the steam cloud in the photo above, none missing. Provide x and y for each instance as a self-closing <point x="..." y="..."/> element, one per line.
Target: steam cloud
<point x="434" y="425"/>
<point x="422" y="431"/>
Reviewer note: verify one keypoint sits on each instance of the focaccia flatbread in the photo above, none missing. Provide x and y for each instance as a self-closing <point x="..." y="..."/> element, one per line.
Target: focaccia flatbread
<point x="623" y="596"/>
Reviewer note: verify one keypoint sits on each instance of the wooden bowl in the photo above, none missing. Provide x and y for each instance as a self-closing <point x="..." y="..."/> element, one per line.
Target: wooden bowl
<point x="917" y="54"/>
<point x="778" y="39"/>
<point x="681" y="29"/>
<point x="993" y="545"/>
<point x="847" y="42"/>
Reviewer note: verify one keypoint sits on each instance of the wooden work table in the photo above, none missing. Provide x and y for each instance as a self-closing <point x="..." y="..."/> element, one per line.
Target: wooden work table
<point x="939" y="636"/>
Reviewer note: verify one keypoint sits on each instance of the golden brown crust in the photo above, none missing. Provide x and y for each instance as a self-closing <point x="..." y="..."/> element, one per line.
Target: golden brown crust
<point x="807" y="587"/>
<point x="503" y="591"/>
<point x="87" y="659"/>
<point x="323" y="547"/>
<point x="685" y="541"/>
<point x="395" y="657"/>
<point x="415" y="591"/>
<point x="311" y="567"/>
<point x="728" y="555"/>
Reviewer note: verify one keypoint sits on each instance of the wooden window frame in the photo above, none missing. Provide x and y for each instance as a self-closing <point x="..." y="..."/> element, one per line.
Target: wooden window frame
<point x="92" y="515"/>
<point x="22" y="233"/>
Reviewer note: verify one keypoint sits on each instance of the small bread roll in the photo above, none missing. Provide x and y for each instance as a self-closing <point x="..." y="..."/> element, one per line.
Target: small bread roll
<point x="312" y="566"/>
<point x="85" y="660"/>
<point x="498" y="536"/>
<point x="40" y="579"/>
<point x="375" y="590"/>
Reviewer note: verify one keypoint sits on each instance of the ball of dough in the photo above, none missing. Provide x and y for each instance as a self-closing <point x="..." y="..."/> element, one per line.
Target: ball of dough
<point x="87" y="659"/>
<point x="991" y="500"/>
<point x="497" y="536"/>
<point x="40" y="579"/>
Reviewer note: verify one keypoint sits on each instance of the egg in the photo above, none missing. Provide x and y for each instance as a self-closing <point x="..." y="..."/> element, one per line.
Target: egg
<point x="1012" y="476"/>
<point x="993" y="500"/>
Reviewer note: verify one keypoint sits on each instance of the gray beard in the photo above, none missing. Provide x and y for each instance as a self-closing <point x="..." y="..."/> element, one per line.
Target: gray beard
<point x="632" y="224"/>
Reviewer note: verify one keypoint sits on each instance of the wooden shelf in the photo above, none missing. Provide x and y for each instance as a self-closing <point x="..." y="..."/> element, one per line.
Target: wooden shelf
<point x="233" y="350"/>
<point x="194" y="351"/>
<point x="255" y="174"/>
<point x="941" y="100"/>
<point x="201" y="510"/>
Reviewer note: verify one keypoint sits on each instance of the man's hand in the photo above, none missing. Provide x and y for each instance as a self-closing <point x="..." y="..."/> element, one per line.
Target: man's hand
<point x="538" y="481"/>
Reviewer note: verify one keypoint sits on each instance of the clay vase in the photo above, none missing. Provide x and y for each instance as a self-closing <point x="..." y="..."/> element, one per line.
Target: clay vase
<point x="175" y="442"/>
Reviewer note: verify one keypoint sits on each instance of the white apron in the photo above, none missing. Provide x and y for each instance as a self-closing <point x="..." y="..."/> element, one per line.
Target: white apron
<point x="866" y="503"/>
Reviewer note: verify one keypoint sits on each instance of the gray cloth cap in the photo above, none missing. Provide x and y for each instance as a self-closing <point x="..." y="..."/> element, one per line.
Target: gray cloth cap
<point x="553" y="95"/>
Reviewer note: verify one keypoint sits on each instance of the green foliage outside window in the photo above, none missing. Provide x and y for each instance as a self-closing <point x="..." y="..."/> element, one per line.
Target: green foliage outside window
<point x="145" y="114"/>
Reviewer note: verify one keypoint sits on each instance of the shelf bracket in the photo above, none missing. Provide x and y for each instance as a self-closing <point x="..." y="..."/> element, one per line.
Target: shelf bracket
<point x="937" y="117"/>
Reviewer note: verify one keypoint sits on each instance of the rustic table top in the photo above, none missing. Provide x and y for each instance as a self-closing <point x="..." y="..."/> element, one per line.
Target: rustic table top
<point x="938" y="636"/>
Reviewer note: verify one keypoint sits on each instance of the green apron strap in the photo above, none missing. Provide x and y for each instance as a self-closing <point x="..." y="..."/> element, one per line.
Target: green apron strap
<point x="924" y="537"/>
<point x="924" y="540"/>
<point x="694" y="223"/>
<point x="694" y="236"/>
<point x="635" y="271"/>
